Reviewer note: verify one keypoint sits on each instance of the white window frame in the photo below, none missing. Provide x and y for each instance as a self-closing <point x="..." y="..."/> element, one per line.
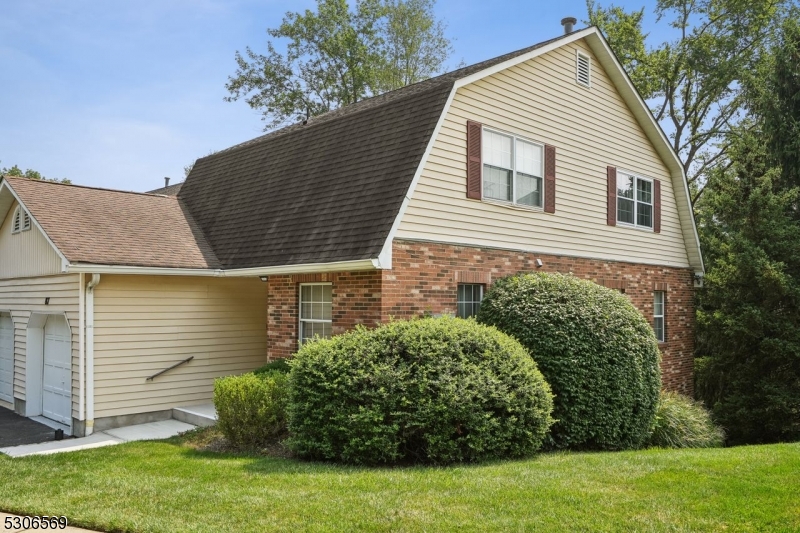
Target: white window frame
<point x="636" y="201"/>
<point x="480" y="297"/>
<point x="578" y="56"/>
<point x="513" y="201"/>
<point x="300" y="319"/>
<point x="662" y="315"/>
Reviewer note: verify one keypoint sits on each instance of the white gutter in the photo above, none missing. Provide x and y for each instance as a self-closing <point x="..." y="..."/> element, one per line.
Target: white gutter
<point x="338" y="266"/>
<point x="81" y="349"/>
<point x="90" y="353"/>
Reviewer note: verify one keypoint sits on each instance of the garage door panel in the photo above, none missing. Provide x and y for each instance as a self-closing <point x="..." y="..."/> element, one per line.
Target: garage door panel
<point x="6" y="358"/>
<point x="57" y="372"/>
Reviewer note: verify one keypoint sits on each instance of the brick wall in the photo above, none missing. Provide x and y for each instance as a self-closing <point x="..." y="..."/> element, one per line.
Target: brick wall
<point x="356" y="300"/>
<point x="425" y="276"/>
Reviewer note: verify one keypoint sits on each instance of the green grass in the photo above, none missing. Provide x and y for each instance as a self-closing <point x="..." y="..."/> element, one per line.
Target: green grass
<point x="167" y="486"/>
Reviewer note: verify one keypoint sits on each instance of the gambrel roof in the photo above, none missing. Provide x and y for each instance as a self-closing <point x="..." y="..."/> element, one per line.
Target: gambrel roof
<point x="327" y="192"/>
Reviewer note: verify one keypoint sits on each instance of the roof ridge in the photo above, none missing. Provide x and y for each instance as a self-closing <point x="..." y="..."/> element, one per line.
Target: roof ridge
<point x="6" y="177"/>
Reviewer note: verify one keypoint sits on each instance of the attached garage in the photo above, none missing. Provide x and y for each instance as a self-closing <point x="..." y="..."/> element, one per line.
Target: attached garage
<point x="82" y="331"/>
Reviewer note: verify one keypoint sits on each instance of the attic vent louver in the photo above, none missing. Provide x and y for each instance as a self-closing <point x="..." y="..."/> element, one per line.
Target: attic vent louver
<point x="16" y="221"/>
<point x="26" y="221"/>
<point x="583" y="70"/>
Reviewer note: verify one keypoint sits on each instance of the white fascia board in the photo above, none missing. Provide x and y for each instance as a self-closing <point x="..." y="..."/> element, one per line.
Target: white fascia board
<point x="64" y="260"/>
<point x="653" y="130"/>
<point x="91" y="268"/>
<point x="339" y="266"/>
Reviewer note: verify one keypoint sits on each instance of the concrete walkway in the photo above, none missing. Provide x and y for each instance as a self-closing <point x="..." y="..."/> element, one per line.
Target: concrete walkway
<point x="151" y="431"/>
<point x="3" y="527"/>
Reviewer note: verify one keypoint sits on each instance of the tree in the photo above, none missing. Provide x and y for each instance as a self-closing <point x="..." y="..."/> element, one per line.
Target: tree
<point x="337" y="56"/>
<point x="29" y="173"/>
<point x="694" y="82"/>
<point x="414" y="47"/>
<point x="749" y="311"/>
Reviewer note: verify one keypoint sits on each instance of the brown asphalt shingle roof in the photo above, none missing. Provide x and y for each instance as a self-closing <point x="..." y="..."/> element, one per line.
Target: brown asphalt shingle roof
<point x="169" y="190"/>
<point x="322" y="192"/>
<point x="107" y="227"/>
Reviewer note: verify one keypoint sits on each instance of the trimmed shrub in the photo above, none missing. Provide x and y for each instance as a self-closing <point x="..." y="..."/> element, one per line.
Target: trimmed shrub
<point x="278" y="365"/>
<point x="681" y="422"/>
<point x="251" y="409"/>
<point x="433" y="390"/>
<point x="597" y="352"/>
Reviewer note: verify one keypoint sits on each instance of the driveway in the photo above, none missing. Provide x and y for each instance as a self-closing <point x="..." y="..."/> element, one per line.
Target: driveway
<point x="16" y="430"/>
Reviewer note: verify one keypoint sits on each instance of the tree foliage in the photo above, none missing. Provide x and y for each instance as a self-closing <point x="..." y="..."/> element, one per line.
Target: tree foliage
<point x="29" y="173"/>
<point x="749" y="310"/>
<point x="336" y="56"/>
<point x="694" y="82"/>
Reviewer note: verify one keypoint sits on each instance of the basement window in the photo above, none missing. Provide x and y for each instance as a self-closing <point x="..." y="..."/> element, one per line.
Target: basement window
<point x="469" y="299"/>
<point x="316" y="310"/>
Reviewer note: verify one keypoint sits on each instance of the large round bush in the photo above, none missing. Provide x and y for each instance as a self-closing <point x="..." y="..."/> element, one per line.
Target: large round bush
<point x="435" y="390"/>
<point x="597" y="352"/>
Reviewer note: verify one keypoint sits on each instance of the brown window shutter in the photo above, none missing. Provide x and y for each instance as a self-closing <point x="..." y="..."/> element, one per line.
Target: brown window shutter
<point x="474" y="186"/>
<point x="657" y="206"/>
<point x="549" y="178"/>
<point x="611" y="217"/>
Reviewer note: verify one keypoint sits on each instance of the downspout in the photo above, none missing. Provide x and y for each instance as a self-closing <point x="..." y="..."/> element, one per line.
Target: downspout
<point x="90" y="353"/>
<point x="81" y="349"/>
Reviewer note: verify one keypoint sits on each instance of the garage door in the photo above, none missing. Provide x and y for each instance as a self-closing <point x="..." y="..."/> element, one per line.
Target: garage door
<point x="57" y="375"/>
<point x="6" y="358"/>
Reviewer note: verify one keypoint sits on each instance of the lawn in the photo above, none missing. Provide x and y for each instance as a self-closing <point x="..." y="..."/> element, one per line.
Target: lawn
<point x="167" y="486"/>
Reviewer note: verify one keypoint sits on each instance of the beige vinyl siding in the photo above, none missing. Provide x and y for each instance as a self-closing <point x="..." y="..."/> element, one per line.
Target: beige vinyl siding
<point x="144" y="324"/>
<point x="27" y="253"/>
<point x="591" y="129"/>
<point x="22" y="297"/>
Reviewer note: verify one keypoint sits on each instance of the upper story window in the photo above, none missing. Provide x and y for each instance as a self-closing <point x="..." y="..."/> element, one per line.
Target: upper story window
<point x="512" y="169"/>
<point x="634" y="200"/>
<point x="21" y="221"/>
<point x="316" y="310"/>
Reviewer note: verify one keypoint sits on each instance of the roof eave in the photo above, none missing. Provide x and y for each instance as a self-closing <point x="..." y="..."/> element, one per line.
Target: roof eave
<point x="311" y="268"/>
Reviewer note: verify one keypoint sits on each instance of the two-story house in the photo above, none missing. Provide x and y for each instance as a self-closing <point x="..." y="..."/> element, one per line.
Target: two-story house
<point x="405" y="204"/>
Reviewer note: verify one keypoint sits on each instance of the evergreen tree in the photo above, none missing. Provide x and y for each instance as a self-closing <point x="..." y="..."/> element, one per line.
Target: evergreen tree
<point x="749" y="311"/>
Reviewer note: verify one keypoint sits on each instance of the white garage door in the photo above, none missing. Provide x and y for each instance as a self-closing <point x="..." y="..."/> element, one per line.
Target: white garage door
<point x="57" y="375"/>
<point x="6" y="358"/>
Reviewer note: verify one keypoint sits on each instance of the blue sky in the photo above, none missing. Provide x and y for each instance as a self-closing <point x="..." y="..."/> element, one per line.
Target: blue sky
<point x="120" y="94"/>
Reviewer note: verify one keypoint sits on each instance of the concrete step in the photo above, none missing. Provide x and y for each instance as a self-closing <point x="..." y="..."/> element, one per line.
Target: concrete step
<point x="199" y="415"/>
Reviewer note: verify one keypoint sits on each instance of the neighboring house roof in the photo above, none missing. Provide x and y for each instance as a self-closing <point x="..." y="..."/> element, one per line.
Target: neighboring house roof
<point x="327" y="191"/>
<point x="106" y="227"/>
<point x="169" y="190"/>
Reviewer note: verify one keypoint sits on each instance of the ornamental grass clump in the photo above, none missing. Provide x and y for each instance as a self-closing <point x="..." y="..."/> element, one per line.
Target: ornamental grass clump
<point x="433" y="390"/>
<point x="597" y="352"/>
<point x="681" y="422"/>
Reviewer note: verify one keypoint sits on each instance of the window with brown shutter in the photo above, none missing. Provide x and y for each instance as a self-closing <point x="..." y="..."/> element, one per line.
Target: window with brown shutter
<point x="474" y="185"/>
<point x="657" y="206"/>
<point x="611" y="216"/>
<point x="549" y="178"/>
<point x="634" y="196"/>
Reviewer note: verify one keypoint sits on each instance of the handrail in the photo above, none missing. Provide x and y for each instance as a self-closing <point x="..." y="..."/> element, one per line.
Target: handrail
<point x="179" y="363"/>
